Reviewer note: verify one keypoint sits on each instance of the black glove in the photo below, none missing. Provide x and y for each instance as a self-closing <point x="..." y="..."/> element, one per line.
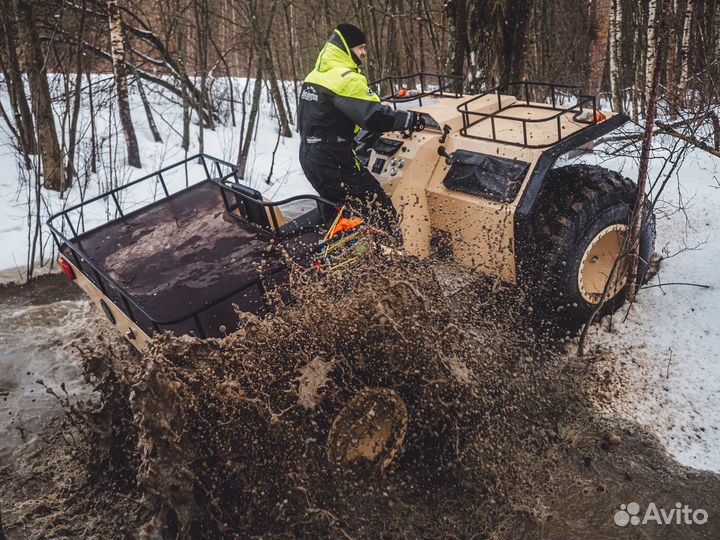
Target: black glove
<point x="417" y="122"/>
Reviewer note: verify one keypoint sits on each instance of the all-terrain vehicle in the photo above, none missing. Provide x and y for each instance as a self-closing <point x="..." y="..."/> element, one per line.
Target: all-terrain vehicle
<point x="477" y="185"/>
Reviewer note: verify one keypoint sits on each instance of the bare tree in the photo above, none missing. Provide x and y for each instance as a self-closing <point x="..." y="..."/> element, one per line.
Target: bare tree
<point x="651" y="92"/>
<point x="263" y="45"/>
<point x="616" y="55"/>
<point x="716" y="26"/>
<point x="72" y="136"/>
<point x="146" y="105"/>
<point x="36" y="66"/>
<point x="117" y="48"/>
<point x="600" y="11"/>
<point x="685" y="48"/>
<point x="93" y="131"/>
<point x="651" y="51"/>
<point x="254" y="109"/>
<point x="457" y="19"/>
<point x="673" y="52"/>
<point x="14" y="80"/>
<point x="2" y="531"/>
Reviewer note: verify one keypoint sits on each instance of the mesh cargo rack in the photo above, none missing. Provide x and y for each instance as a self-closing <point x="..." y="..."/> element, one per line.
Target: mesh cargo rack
<point x="554" y="94"/>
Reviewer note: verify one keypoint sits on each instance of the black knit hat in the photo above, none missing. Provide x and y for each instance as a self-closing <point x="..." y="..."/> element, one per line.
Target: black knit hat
<point x="352" y="34"/>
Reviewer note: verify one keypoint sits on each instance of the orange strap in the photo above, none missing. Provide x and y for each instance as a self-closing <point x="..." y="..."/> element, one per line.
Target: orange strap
<point x="345" y="224"/>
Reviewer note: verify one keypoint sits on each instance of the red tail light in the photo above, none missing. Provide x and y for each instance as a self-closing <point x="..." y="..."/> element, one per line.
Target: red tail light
<point x="67" y="269"/>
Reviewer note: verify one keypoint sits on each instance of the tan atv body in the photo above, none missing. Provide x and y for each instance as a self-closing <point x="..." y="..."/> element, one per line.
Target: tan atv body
<point x="481" y="231"/>
<point x="472" y="187"/>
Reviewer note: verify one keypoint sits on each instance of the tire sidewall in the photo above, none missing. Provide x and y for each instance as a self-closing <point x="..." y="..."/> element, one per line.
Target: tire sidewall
<point x="569" y="298"/>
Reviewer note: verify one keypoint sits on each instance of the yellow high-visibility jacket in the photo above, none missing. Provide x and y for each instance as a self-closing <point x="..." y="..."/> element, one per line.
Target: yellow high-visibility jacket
<point x="336" y="100"/>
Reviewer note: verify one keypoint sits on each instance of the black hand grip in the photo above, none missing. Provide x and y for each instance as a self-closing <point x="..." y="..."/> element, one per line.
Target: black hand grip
<point x="442" y="152"/>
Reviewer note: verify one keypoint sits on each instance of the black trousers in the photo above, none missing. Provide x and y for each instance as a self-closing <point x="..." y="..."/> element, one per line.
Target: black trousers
<point x="333" y="171"/>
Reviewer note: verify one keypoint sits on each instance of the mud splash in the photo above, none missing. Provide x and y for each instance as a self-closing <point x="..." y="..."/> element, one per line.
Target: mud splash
<point x="226" y="438"/>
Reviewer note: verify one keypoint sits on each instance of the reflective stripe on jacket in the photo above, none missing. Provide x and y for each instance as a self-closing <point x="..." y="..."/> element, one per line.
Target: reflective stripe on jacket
<point x="336" y="100"/>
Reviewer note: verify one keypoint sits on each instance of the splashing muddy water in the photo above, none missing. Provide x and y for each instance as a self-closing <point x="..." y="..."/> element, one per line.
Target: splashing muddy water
<point x="36" y="336"/>
<point x="227" y="437"/>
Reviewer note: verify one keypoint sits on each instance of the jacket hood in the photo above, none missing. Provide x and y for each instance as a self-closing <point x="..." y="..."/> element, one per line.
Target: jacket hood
<point x="336" y="54"/>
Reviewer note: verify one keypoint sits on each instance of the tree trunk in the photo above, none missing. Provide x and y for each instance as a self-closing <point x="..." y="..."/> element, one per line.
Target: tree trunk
<point x="243" y="102"/>
<point x="263" y="44"/>
<point x="434" y="40"/>
<point x="286" y="98"/>
<point x="222" y="57"/>
<point x="639" y="64"/>
<point x="117" y="49"/>
<point x="716" y="27"/>
<point x="600" y="11"/>
<point x="187" y="113"/>
<point x="16" y="88"/>
<point x="651" y="99"/>
<point x="651" y="49"/>
<point x="421" y="37"/>
<point x="531" y="66"/>
<point x="52" y="159"/>
<point x="276" y="93"/>
<point x="93" y="133"/>
<point x="671" y="69"/>
<point x="202" y="31"/>
<point x="616" y="56"/>
<point x="72" y="137"/>
<point x="2" y="530"/>
<point x="146" y="105"/>
<point x="254" y="108"/>
<point x="289" y="11"/>
<point x="457" y="19"/>
<point x="182" y="61"/>
<point x="715" y="121"/>
<point x="685" y="48"/>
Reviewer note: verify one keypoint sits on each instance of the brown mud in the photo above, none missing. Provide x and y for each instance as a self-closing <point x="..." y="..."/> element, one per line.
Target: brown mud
<point x="226" y="438"/>
<point x="44" y="289"/>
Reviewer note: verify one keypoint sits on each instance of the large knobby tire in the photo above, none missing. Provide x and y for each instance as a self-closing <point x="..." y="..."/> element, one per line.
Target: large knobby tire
<point x="578" y="230"/>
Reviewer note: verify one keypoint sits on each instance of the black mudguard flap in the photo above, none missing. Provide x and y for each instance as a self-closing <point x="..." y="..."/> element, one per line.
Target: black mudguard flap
<point x="491" y="177"/>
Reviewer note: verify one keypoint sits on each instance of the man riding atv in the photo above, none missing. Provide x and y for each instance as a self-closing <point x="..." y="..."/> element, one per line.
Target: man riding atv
<point x="335" y="103"/>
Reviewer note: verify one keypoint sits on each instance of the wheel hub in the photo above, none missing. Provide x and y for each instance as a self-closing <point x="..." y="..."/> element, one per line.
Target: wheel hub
<point x="371" y="427"/>
<point x="597" y="264"/>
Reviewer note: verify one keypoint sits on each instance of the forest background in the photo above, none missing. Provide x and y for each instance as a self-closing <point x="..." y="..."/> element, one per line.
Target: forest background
<point x="214" y="58"/>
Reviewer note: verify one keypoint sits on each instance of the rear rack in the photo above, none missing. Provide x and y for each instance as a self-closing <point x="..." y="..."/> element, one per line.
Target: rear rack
<point x="431" y="84"/>
<point x="112" y="289"/>
<point x="551" y="92"/>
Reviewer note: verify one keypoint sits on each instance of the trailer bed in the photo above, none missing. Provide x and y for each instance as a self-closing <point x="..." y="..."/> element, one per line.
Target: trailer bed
<point x="186" y="257"/>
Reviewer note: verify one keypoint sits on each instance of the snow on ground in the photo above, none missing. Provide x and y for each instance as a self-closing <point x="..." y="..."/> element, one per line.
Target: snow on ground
<point x="667" y="347"/>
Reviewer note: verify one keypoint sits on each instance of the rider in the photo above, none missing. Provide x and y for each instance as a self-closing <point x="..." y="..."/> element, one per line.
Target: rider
<point x="334" y="104"/>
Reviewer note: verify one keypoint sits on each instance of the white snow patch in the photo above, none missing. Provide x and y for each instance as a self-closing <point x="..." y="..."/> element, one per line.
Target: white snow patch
<point x="668" y="344"/>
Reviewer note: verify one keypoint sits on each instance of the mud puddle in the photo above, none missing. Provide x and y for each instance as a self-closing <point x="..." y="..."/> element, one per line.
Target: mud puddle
<point x="226" y="438"/>
<point x="39" y="322"/>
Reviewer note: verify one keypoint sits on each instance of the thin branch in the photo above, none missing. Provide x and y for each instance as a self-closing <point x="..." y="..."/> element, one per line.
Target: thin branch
<point x="677" y="283"/>
<point x="687" y="138"/>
